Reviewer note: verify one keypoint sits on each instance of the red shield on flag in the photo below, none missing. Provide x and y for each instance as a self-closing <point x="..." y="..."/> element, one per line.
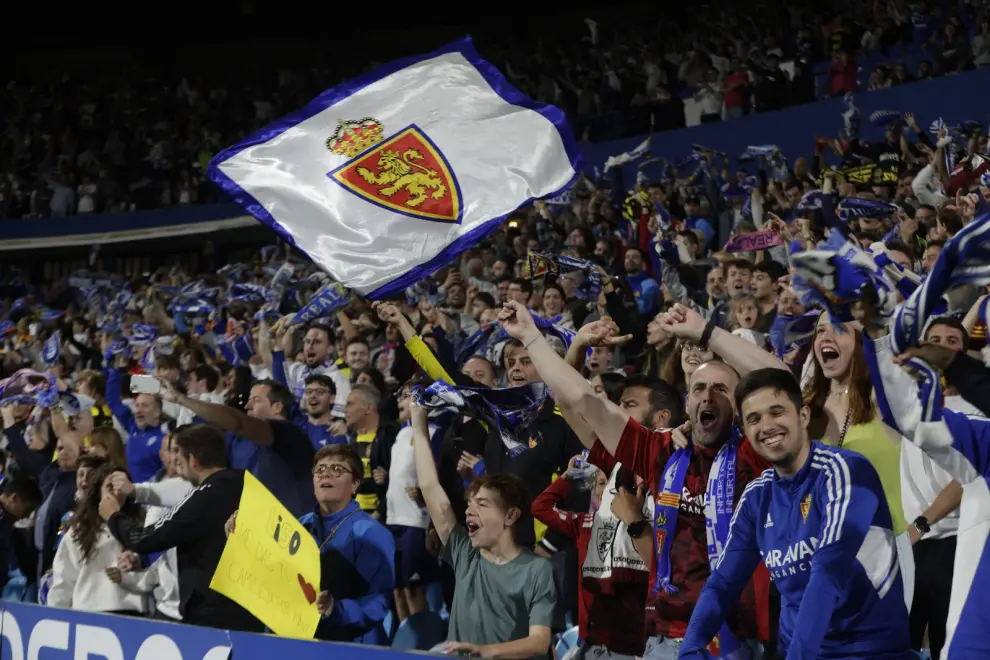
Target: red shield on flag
<point x="406" y="174"/>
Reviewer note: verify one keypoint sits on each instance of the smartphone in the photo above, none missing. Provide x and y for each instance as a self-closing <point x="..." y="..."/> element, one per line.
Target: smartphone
<point x="145" y="385"/>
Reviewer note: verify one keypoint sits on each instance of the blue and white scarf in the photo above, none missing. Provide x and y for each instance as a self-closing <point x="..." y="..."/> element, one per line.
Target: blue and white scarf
<point x="861" y="207"/>
<point x="965" y="259"/>
<point x="323" y="303"/>
<point x="791" y="332"/>
<point x="837" y="274"/>
<point x="486" y="341"/>
<point x="541" y="264"/>
<point x="511" y="410"/>
<point x="52" y="349"/>
<point x="719" y="502"/>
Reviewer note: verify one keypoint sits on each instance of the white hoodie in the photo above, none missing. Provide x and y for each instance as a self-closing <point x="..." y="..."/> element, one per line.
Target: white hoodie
<point x="82" y="584"/>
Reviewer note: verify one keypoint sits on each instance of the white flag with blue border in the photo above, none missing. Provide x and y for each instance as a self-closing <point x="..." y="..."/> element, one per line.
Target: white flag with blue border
<point x="387" y="177"/>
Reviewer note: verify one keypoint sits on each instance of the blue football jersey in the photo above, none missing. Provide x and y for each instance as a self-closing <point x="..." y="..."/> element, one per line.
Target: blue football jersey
<point x="826" y="537"/>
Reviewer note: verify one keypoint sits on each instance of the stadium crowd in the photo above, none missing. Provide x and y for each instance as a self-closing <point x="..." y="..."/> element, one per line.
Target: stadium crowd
<point x="119" y="491"/>
<point x="140" y="138"/>
<point x="598" y="417"/>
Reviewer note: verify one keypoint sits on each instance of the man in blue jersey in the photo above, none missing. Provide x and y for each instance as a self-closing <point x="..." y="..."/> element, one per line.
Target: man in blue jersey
<point x="820" y="523"/>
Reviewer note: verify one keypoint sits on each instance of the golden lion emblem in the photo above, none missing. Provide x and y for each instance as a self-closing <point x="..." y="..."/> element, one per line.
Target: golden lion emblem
<point x="397" y="173"/>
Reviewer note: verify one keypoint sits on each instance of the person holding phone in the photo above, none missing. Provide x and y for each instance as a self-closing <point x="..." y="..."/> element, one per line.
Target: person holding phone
<point x="262" y="440"/>
<point x="146" y="425"/>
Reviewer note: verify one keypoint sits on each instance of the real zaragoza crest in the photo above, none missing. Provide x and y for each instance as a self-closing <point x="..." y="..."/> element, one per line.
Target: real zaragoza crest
<point x="405" y="173"/>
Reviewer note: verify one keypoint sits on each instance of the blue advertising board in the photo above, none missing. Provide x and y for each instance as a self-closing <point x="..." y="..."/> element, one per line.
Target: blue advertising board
<point x="34" y="632"/>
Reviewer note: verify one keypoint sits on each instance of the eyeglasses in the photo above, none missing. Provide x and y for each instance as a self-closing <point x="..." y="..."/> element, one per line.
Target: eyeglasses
<point x="316" y="390"/>
<point x="336" y="469"/>
<point x="692" y="348"/>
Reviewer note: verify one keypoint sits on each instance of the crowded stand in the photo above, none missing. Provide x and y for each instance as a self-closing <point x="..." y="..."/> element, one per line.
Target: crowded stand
<point x="665" y="405"/>
<point x="104" y="141"/>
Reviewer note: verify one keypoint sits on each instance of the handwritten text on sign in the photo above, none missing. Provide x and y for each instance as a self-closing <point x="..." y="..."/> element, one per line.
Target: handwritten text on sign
<point x="271" y="565"/>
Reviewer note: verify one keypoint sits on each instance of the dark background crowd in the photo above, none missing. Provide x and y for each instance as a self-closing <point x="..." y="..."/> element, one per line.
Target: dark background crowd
<point x="131" y="128"/>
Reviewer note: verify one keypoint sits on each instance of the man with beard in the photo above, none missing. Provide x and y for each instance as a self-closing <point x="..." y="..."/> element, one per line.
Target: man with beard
<point x="715" y="460"/>
<point x="314" y="418"/>
<point x="820" y="523"/>
<point x="317" y="359"/>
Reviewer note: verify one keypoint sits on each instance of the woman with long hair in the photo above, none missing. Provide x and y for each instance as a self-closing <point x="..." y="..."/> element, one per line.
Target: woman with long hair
<point x="683" y="360"/>
<point x="87" y="556"/>
<point x="838" y="390"/>
<point x="660" y="345"/>
<point x="554" y="300"/>
<point x="105" y="441"/>
<point x="86" y="468"/>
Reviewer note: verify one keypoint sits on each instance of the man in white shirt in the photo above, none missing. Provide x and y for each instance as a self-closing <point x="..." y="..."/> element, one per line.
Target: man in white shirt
<point x="931" y="499"/>
<point x="201" y="385"/>
<point x="709" y="97"/>
<point x="407" y="517"/>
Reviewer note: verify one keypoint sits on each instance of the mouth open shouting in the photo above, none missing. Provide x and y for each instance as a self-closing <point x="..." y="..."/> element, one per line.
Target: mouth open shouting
<point x="708" y="418"/>
<point x="830" y="358"/>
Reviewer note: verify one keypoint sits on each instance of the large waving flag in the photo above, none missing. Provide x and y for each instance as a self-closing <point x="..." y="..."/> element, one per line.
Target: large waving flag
<point x="385" y="178"/>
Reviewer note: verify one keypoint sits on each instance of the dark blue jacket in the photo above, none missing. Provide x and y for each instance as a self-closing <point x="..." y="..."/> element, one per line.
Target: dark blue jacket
<point x="357" y="567"/>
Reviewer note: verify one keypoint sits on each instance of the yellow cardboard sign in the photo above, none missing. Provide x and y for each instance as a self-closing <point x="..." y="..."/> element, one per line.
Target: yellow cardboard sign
<point x="271" y="565"/>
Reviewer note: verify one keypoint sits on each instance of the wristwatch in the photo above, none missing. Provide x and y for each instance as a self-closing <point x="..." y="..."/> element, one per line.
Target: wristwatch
<point x="922" y="525"/>
<point x="638" y="528"/>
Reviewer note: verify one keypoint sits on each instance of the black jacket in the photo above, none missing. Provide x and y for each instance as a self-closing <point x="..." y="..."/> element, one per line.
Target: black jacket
<point x="379" y="454"/>
<point x="195" y="528"/>
<point x="58" y="489"/>
<point x="972" y="378"/>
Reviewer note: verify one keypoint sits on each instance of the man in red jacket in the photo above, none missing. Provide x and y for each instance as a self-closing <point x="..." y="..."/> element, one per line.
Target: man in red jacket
<point x="689" y="528"/>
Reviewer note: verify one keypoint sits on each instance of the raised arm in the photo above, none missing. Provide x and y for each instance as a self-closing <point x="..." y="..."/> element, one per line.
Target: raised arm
<point x="437" y="503"/>
<point x="740" y="354"/>
<point x="896" y="391"/>
<point x="112" y="396"/>
<point x="61" y="427"/>
<point x="184" y="523"/>
<point x="224" y="417"/>
<point x="30" y="461"/>
<point x="569" y="388"/>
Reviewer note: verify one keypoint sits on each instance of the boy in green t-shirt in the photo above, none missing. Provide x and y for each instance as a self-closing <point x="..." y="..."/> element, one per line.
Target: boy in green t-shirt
<point x="504" y="594"/>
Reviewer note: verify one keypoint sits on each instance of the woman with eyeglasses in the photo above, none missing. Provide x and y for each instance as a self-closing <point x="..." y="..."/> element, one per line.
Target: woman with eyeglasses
<point x="357" y="553"/>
